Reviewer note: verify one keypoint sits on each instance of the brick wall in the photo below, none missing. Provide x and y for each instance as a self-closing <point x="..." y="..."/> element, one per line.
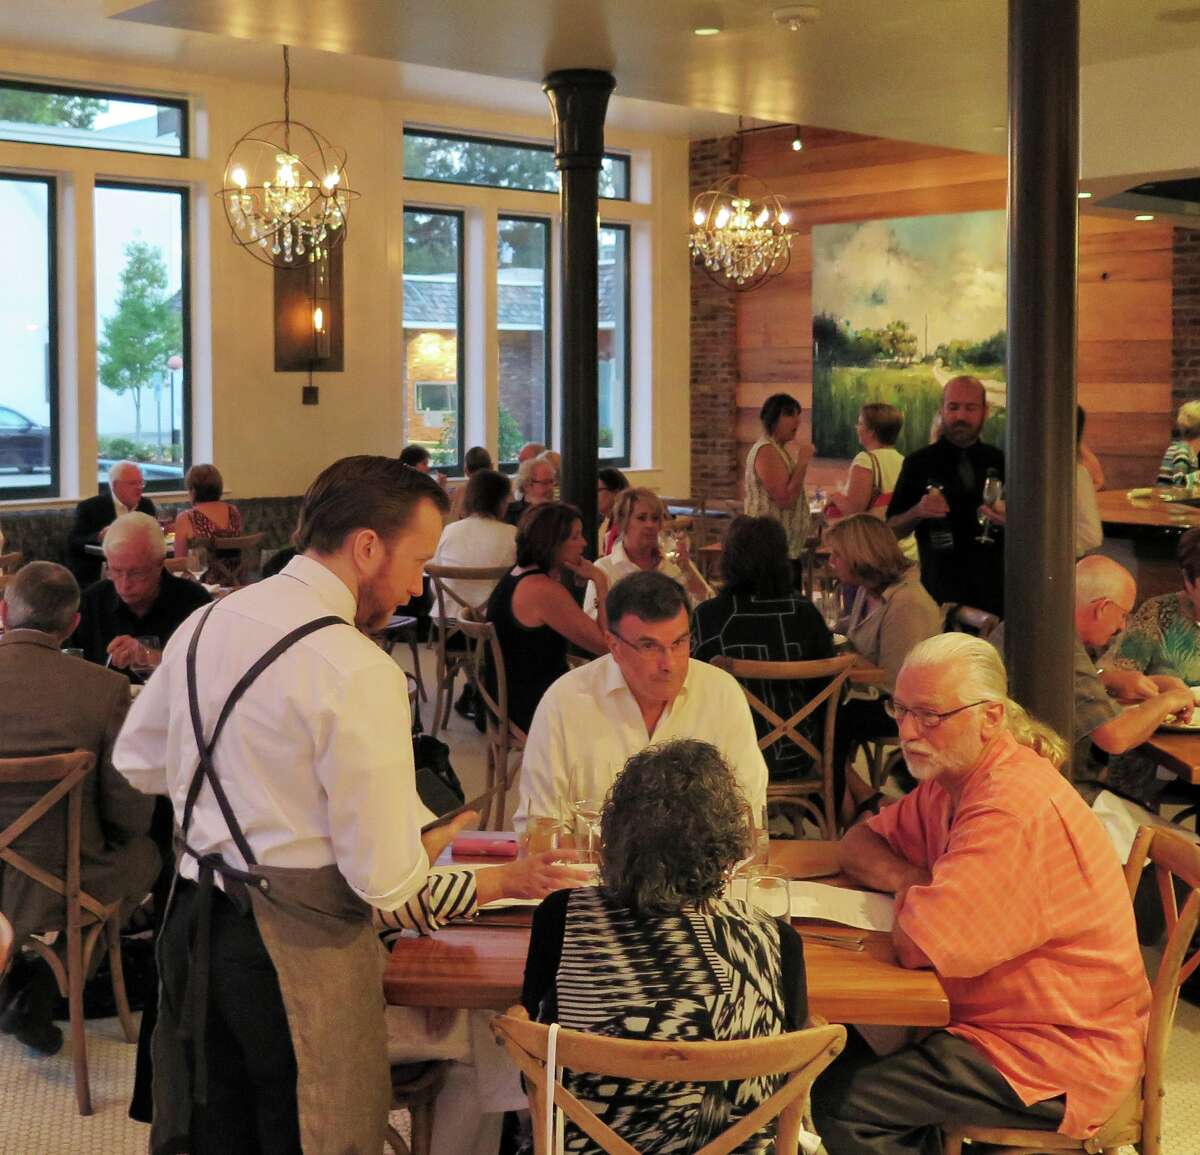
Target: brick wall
<point x="714" y="372"/>
<point x="1185" y="318"/>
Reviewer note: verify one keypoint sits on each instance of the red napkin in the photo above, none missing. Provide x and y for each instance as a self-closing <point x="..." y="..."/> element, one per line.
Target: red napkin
<point x="468" y="846"/>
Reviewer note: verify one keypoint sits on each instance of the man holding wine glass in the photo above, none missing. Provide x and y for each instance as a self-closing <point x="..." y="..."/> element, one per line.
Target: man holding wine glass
<point x="128" y="618"/>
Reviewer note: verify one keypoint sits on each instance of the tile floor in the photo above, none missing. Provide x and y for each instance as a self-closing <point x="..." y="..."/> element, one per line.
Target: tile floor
<point x="37" y="1100"/>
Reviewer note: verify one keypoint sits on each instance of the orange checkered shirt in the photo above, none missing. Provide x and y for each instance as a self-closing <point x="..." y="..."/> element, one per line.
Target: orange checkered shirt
<point x="1029" y="925"/>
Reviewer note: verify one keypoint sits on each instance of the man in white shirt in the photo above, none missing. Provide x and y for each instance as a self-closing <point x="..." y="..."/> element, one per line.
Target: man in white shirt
<point x="302" y="815"/>
<point x="646" y="689"/>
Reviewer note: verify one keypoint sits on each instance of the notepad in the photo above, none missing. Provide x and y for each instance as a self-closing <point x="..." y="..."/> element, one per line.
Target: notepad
<point x="860" y="908"/>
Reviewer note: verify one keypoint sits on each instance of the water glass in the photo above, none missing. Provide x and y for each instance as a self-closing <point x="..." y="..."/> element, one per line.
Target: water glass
<point x="72" y="651"/>
<point x="586" y="815"/>
<point x="542" y="833"/>
<point x="767" y="890"/>
<point x="760" y="837"/>
<point x="149" y="656"/>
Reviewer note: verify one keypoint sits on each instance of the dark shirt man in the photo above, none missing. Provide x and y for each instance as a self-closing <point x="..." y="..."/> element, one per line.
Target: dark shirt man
<point x="955" y="567"/>
<point x="96" y="514"/>
<point x="138" y="599"/>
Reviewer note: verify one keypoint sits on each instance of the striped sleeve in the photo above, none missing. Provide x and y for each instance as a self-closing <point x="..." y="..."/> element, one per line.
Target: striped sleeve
<point x="446" y="895"/>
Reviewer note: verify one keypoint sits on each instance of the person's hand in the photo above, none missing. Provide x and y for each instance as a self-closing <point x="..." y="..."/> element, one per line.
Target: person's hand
<point x="683" y="548"/>
<point x="440" y="478"/>
<point x="1168" y="682"/>
<point x="437" y="839"/>
<point x="1130" y="685"/>
<point x="587" y="571"/>
<point x="933" y="504"/>
<point x="993" y="513"/>
<point x="123" y="651"/>
<point x="542" y="874"/>
<point x="802" y="452"/>
<point x="1181" y="703"/>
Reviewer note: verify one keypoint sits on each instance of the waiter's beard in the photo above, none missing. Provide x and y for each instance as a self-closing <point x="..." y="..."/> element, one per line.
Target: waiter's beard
<point x="374" y="608"/>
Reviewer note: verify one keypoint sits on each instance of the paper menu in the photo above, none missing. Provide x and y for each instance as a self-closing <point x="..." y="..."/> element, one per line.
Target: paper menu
<point x="860" y="908"/>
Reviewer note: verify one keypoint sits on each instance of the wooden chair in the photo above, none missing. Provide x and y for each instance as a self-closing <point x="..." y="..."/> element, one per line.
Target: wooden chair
<point x="801" y="1055"/>
<point x="969" y="620"/>
<point x="797" y="795"/>
<point x="176" y="565"/>
<point x="451" y="606"/>
<point x="1138" y="1121"/>
<point x="227" y="570"/>
<point x="86" y="919"/>
<point x="503" y="737"/>
<point x="10" y="562"/>
<point x="415" y="1090"/>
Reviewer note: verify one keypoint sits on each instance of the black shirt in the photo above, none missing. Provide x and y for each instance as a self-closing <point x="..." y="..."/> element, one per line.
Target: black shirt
<point x="91" y="516"/>
<point x="954" y="566"/>
<point x="104" y="616"/>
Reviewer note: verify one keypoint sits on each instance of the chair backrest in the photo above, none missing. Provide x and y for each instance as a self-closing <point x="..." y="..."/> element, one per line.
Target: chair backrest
<point x="1176" y="865"/>
<point x="800" y="1055"/>
<point x="64" y="775"/>
<point x="481" y="636"/>
<point x="450" y="601"/>
<point x="228" y="571"/>
<point x="175" y="564"/>
<point x="10" y="562"/>
<point x="969" y="620"/>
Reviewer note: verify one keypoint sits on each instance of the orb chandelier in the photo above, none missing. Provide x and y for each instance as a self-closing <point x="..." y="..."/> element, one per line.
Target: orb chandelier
<point x="285" y="191"/>
<point x="740" y="234"/>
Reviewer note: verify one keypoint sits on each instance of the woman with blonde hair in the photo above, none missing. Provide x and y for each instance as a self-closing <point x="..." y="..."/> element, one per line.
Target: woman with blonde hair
<point x="639" y="516"/>
<point x="1182" y="456"/>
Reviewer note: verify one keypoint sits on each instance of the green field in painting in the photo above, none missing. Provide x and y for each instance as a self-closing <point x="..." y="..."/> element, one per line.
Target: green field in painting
<point x="839" y="392"/>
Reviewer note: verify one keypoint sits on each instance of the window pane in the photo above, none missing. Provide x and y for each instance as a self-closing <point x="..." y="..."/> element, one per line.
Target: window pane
<point x="523" y="306"/>
<point x="82" y="119"/>
<point x="614" y="342"/>
<point x="141" y="324"/>
<point x="27" y="402"/>
<point x="498" y="163"/>
<point x="433" y="379"/>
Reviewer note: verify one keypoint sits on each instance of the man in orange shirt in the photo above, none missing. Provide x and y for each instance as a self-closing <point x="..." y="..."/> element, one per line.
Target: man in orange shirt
<point x="1007" y="886"/>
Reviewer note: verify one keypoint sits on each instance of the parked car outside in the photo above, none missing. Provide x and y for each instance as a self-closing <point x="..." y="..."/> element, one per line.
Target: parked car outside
<point x="24" y="444"/>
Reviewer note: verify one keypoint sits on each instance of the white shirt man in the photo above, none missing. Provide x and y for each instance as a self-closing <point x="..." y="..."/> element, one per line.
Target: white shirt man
<point x="646" y="689"/>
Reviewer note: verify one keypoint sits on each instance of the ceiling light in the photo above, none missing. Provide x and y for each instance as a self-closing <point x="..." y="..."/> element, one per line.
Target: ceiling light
<point x="1144" y="217"/>
<point x="797" y="143"/>
<point x="739" y="234"/>
<point x="706" y="30"/>
<point x="793" y="17"/>
<point x="1085" y="196"/>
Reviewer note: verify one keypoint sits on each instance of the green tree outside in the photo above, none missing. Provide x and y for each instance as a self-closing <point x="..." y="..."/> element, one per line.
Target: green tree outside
<point x="53" y="108"/>
<point x="143" y="332"/>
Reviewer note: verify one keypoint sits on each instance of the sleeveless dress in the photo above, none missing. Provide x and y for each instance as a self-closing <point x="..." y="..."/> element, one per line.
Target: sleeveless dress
<point x="204" y="526"/>
<point x="759" y="503"/>
<point x="533" y="657"/>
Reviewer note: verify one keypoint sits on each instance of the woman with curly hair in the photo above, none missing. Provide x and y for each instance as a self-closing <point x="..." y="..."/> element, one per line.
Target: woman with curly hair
<point x="655" y="952"/>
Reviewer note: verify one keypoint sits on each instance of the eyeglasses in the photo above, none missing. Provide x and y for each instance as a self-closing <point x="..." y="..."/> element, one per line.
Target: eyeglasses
<point x="927" y="719"/>
<point x="139" y="573"/>
<point x="649" y="648"/>
<point x="540" y="481"/>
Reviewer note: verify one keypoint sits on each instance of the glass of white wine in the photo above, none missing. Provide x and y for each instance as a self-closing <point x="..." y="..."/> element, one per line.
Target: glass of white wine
<point x="197" y="562"/>
<point x="586" y="815"/>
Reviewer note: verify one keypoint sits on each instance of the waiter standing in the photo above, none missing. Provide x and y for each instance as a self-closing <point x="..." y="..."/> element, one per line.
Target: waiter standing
<point x="281" y="734"/>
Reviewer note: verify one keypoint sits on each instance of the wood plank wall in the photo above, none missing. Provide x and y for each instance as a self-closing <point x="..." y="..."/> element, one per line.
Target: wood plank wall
<point x="1125" y="272"/>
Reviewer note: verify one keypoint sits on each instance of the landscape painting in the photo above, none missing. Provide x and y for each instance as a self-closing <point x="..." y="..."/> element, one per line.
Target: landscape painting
<point x="899" y="307"/>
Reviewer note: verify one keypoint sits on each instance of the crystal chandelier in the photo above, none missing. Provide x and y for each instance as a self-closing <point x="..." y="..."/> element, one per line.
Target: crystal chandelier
<point x="740" y="233"/>
<point x="285" y="191"/>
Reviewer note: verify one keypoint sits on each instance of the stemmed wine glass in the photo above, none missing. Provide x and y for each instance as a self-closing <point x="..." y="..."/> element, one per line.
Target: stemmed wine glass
<point x="197" y="562"/>
<point x="993" y="490"/>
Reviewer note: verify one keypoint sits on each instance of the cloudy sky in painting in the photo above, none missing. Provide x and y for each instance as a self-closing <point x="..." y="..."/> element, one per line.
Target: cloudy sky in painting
<point x="949" y="269"/>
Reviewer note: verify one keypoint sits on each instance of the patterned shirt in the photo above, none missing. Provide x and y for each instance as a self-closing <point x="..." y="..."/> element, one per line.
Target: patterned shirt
<point x="1178" y="458"/>
<point x="1163" y="637"/>
<point x="1029" y="926"/>
<point x="759" y="503"/>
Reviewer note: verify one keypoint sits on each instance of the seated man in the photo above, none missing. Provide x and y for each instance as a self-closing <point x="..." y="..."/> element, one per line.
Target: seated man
<point x="96" y="514"/>
<point x="138" y="598"/>
<point x="54" y="703"/>
<point x="536" y="478"/>
<point x="646" y="689"/>
<point x="1007" y="886"/>
<point x="1104" y="596"/>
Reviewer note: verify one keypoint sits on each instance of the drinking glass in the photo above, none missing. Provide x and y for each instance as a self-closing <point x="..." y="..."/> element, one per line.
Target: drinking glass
<point x="197" y="562"/>
<point x="760" y="837"/>
<point x="767" y="890"/>
<point x="993" y="490"/>
<point x="148" y="657"/>
<point x="73" y="651"/>
<point x="586" y="819"/>
<point x="541" y="834"/>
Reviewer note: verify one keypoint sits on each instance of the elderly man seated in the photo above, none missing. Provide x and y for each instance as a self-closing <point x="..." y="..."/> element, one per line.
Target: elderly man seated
<point x="138" y="599"/>
<point x="646" y="689"/>
<point x="1104" y="596"/>
<point x="96" y="514"/>
<point x="53" y="703"/>
<point x="1007" y="886"/>
<point x="536" y="478"/>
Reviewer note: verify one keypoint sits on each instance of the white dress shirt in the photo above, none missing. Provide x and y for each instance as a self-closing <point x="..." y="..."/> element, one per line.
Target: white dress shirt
<point x="316" y="758"/>
<point x="588" y="725"/>
<point x="617" y="565"/>
<point x="476" y="542"/>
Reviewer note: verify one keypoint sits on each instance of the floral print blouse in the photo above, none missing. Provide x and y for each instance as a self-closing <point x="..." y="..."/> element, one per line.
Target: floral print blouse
<point x="1162" y="637"/>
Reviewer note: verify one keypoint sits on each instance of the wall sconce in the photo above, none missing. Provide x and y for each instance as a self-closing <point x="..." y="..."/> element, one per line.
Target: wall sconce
<point x="309" y="330"/>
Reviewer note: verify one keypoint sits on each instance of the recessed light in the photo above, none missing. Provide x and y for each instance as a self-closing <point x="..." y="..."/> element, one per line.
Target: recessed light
<point x="1144" y="217"/>
<point x="1085" y="196"/>
<point x="706" y="30"/>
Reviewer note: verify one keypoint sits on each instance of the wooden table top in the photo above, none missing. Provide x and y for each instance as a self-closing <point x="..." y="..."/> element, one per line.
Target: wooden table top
<point x="1116" y="508"/>
<point x="1178" y="752"/>
<point x="480" y="964"/>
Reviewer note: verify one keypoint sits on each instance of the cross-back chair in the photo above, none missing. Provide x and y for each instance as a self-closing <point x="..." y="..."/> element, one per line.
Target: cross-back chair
<point x="223" y="568"/>
<point x="800" y="1055"/>
<point x="797" y="795"/>
<point x="504" y="738"/>
<point x="85" y="919"/>
<point x="452" y="607"/>
<point x="1175" y="862"/>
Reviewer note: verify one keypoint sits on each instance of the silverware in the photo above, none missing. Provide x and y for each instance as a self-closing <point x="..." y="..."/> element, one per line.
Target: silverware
<point x="856" y="944"/>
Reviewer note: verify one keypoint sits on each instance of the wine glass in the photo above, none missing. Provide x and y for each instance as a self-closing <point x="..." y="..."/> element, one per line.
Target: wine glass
<point x="148" y="657"/>
<point x="993" y="490"/>
<point x="668" y="545"/>
<point x="586" y="815"/>
<point x="541" y="833"/>
<point x="197" y="562"/>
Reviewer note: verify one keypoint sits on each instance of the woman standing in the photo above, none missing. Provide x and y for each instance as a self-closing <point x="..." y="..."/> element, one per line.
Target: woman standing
<point x="775" y="479"/>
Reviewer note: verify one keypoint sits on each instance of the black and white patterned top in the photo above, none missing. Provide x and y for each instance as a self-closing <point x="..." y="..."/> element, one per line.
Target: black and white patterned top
<point x="724" y="972"/>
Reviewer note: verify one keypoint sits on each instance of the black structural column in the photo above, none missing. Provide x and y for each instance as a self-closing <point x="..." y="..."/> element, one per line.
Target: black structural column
<point x="578" y="101"/>
<point x="1043" y="170"/>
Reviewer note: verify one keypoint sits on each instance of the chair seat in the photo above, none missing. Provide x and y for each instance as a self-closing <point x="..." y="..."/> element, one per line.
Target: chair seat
<point x="1017" y="1141"/>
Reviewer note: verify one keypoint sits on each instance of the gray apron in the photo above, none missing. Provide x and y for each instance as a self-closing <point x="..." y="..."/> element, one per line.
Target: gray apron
<point x="327" y="956"/>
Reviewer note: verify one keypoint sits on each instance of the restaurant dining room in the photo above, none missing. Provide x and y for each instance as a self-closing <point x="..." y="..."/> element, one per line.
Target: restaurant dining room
<point x="585" y="576"/>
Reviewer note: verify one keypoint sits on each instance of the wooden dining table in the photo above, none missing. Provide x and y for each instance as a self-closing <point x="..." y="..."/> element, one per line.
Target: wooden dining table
<point x="1156" y="510"/>
<point x="480" y="965"/>
<point x="1179" y="752"/>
